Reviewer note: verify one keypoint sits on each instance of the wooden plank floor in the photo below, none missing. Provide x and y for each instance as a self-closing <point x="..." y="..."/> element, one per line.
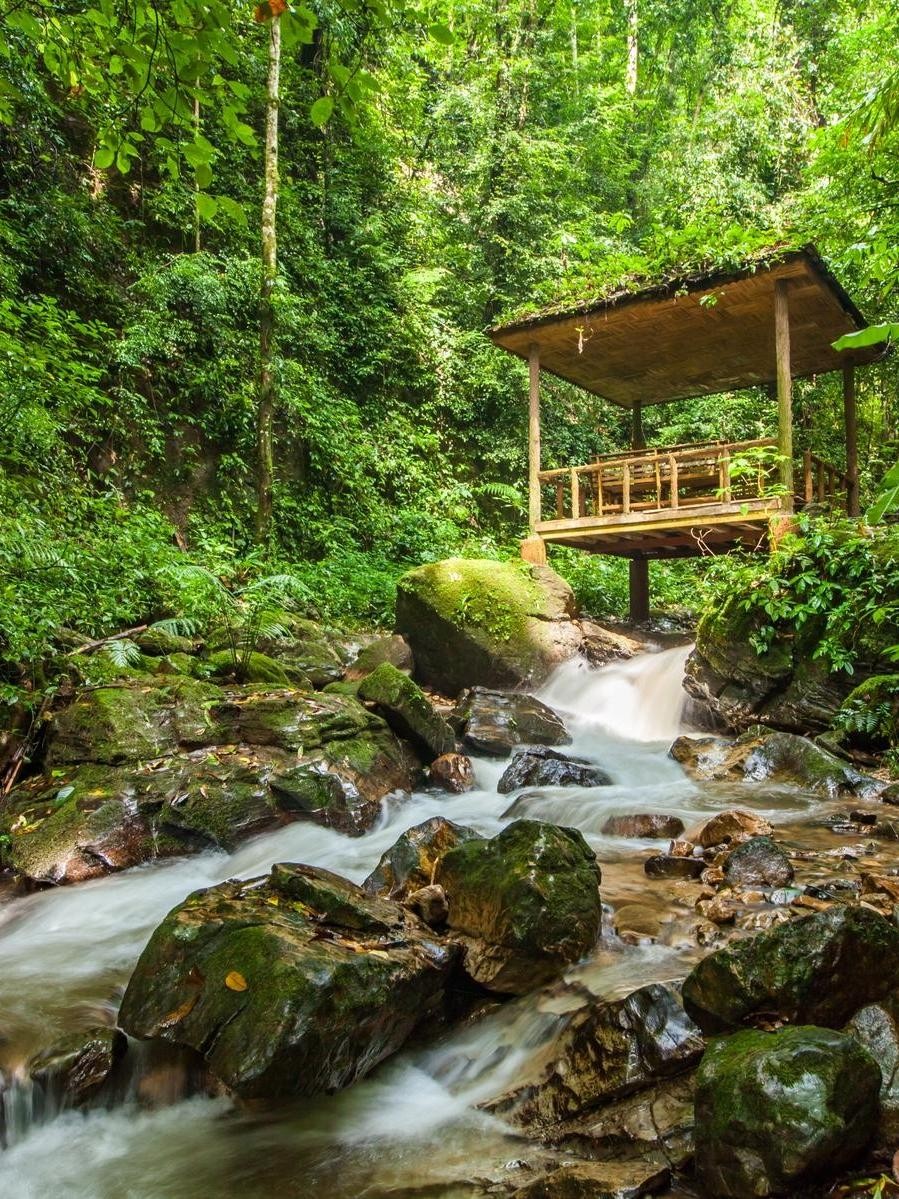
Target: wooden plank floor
<point x="668" y="533"/>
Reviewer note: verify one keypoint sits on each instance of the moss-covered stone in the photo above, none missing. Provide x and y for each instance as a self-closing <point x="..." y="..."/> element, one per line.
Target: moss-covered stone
<point x="278" y="997"/>
<point x="876" y="1026"/>
<point x="159" y="643"/>
<point x="292" y="720"/>
<point x="111" y="725"/>
<point x="474" y="622"/>
<point x="222" y="803"/>
<point x="817" y="970"/>
<point x="311" y="790"/>
<point x="255" y="667"/>
<point x="777" y="1110"/>
<point x="394" y="649"/>
<point x="526" y="903"/>
<point x="407" y="710"/>
<point x="411" y="862"/>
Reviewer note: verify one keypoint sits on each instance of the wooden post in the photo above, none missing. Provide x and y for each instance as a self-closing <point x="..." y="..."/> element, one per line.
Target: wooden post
<point x="638" y="441"/>
<point x="851" y="426"/>
<point x="575" y="494"/>
<point x="638" y="573"/>
<point x="808" y="486"/>
<point x="625" y="489"/>
<point x="784" y="391"/>
<point x="639" y="590"/>
<point x="672" y="461"/>
<point x="534" y="503"/>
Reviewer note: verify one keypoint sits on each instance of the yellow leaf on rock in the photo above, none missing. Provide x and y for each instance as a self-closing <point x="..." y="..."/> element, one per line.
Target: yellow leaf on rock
<point x="235" y="981"/>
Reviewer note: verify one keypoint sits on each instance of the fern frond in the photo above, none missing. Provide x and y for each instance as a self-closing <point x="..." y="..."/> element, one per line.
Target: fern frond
<point x="178" y="626"/>
<point x="122" y="653"/>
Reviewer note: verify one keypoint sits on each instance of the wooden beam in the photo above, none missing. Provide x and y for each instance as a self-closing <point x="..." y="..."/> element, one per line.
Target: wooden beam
<point x="851" y="426"/>
<point x="535" y="508"/>
<point x="638" y="588"/>
<point x="784" y="390"/>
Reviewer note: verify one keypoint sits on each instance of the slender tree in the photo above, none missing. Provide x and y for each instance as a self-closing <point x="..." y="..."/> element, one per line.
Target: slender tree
<point x="267" y="396"/>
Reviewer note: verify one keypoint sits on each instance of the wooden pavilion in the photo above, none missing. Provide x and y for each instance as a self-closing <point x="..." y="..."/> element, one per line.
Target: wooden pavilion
<point x="765" y="324"/>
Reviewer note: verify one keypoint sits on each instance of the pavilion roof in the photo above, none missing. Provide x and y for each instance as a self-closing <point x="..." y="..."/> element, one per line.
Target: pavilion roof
<point x="695" y="335"/>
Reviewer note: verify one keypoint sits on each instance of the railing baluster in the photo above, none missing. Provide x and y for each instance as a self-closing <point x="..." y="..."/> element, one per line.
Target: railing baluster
<point x="575" y="494"/>
<point x="560" y="500"/>
<point x="674" y="483"/>
<point x="599" y="499"/>
<point x="626" y="489"/>
<point x="658" y="484"/>
<point x="724" y="473"/>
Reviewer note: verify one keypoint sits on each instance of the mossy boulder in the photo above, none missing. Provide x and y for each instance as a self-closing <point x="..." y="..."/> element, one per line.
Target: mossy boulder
<point x="221" y="800"/>
<point x="292" y="984"/>
<point x="819" y="970"/>
<point x="412" y="861"/>
<point x="475" y="622"/>
<point x="760" y="755"/>
<point x="495" y="722"/>
<point x="525" y="903"/>
<point x="407" y="710"/>
<point x="160" y="643"/>
<point x="778" y="1110"/>
<point x="312" y="791"/>
<point x="876" y="1026"/>
<point x="289" y="719"/>
<point x="604" y="1051"/>
<point x="255" y="667"/>
<point x="308" y="649"/>
<point x="394" y="649"/>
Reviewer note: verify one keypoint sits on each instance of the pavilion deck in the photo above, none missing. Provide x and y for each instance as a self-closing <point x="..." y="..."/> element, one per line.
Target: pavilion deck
<point x="678" y="501"/>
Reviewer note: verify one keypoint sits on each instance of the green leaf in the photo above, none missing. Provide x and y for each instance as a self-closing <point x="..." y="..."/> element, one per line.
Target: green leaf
<point x="230" y="208"/>
<point x="867" y="337"/>
<point x="442" y="34"/>
<point x="207" y="206"/>
<point x="203" y="175"/>
<point x="104" y="157"/>
<point x="321" y="110"/>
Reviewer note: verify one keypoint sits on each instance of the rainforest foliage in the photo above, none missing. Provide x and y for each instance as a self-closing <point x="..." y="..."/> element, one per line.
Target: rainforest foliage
<point x="440" y="165"/>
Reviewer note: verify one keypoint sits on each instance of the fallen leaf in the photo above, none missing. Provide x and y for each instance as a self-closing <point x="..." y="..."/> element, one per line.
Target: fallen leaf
<point x="184" y="1009"/>
<point x="235" y="981"/>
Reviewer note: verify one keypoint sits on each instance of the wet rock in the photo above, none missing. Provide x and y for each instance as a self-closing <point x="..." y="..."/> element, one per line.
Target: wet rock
<point x="636" y="923"/>
<point x="412" y="860"/>
<point x="313" y="791"/>
<point x="394" y="649"/>
<point x="776" y="1110"/>
<point x="473" y="622"/>
<point x="598" y="1180"/>
<point x="732" y="827"/>
<point x="453" y="772"/>
<point x="758" y="862"/>
<point x="407" y="710"/>
<point x="494" y="722"/>
<point x="876" y="1027"/>
<point x="760" y="755"/>
<point x="305" y="648"/>
<point x="605" y="1051"/>
<point x="818" y="969"/>
<point x="654" y="1124"/>
<point x="543" y="767"/>
<point x="293" y="984"/>
<point x="72" y="1071"/>
<point x="525" y="903"/>
<point x="662" y="865"/>
<point x="645" y="826"/>
<point x="430" y="904"/>
<point x="601" y="646"/>
<point x="222" y="801"/>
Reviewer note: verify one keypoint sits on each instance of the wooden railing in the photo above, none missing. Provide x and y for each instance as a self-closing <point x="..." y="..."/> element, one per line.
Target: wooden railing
<point x="822" y="483"/>
<point x="662" y="479"/>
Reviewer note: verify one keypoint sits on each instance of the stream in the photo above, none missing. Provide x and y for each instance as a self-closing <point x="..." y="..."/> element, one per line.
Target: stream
<point x="66" y="954"/>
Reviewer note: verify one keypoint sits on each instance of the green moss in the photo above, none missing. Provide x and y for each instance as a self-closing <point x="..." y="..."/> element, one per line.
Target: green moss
<point x="407" y="709"/>
<point x="255" y="668"/>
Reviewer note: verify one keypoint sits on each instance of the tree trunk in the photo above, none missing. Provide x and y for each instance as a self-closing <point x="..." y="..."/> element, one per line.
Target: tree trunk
<point x="267" y="391"/>
<point x="630" y="80"/>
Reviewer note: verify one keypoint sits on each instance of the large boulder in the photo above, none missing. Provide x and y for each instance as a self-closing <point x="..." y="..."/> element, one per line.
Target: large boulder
<point x="760" y="755"/>
<point x="777" y="1110"/>
<point x="876" y="1026"/>
<point x="543" y="767"/>
<point x="817" y="970"/>
<point x="788" y="685"/>
<point x="407" y="710"/>
<point x="293" y="984"/>
<point x="394" y="649"/>
<point x="475" y="622"/>
<point x="494" y="722"/>
<point x="525" y="903"/>
<point x="607" y="1049"/>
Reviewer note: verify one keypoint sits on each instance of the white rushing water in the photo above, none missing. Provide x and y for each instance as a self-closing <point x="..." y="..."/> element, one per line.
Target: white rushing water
<point x="66" y="954"/>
